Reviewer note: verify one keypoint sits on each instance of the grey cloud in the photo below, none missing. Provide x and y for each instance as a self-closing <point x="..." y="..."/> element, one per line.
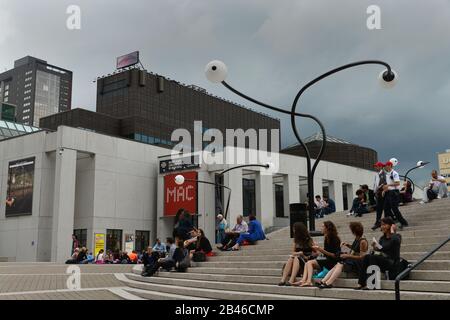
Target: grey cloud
<point x="271" y="48"/>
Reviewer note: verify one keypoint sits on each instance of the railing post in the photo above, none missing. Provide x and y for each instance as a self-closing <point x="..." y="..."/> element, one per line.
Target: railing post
<point x="397" y="289"/>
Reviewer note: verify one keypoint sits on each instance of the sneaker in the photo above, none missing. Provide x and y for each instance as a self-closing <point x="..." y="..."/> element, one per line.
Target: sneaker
<point x="376" y="226"/>
<point x="422" y="202"/>
<point x="349" y="214"/>
<point x="439" y="197"/>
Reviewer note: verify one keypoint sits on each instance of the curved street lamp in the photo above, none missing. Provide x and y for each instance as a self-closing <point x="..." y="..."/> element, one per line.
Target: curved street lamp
<point x="180" y="180"/>
<point x="216" y="72"/>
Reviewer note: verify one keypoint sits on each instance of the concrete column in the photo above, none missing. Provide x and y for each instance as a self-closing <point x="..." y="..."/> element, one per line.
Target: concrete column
<point x="350" y="194"/>
<point x="206" y="205"/>
<point x="63" y="205"/>
<point x="291" y="192"/>
<point x="335" y="188"/>
<point x="233" y="180"/>
<point x="265" y="202"/>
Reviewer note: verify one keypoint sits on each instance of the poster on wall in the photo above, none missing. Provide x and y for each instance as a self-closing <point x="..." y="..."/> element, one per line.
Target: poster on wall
<point x="99" y="242"/>
<point x="19" y="194"/>
<point x="180" y="196"/>
<point x="129" y="243"/>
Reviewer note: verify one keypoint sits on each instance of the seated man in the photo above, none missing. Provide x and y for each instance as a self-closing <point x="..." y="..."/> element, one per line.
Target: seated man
<point x="370" y="196"/>
<point x="319" y="204"/>
<point x="160" y="247"/>
<point x="360" y="205"/>
<point x="255" y="233"/>
<point x="329" y="206"/>
<point x="386" y="253"/>
<point x="231" y="236"/>
<point x="436" y="189"/>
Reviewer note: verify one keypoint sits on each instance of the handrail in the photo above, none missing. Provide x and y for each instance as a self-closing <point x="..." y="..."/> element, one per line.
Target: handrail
<point x="415" y="265"/>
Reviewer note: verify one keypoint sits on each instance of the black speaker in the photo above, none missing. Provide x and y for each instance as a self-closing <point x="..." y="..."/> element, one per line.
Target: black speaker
<point x="298" y="213"/>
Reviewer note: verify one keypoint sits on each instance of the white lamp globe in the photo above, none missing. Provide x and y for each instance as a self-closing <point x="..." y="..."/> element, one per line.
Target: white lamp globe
<point x="420" y="164"/>
<point x="388" y="80"/>
<point x="216" y="71"/>
<point x="179" y="180"/>
<point x="394" y="162"/>
<point x="270" y="166"/>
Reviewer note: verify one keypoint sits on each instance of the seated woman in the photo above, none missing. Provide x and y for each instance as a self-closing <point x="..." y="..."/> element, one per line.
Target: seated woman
<point x="351" y="262"/>
<point x="360" y="204"/>
<point x="386" y="253"/>
<point x="406" y="193"/>
<point x="331" y="252"/>
<point x="199" y="243"/>
<point x="255" y="233"/>
<point x="301" y="253"/>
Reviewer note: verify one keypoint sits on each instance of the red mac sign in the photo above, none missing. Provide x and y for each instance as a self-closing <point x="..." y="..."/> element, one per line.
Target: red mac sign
<point x="180" y="196"/>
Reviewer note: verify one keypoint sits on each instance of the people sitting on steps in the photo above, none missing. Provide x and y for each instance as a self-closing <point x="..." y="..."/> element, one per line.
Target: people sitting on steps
<point x="255" y="233"/>
<point x="437" y="188"/>
<point x="319" y="205"/>
<point x="178" y="258"/>
<point x="370" y="196"/>
<point x="198" y="245"/>
<point x="406" y="193"/>
<point x="386" y="253"/>
<point x="329" y="206"/>
<point x="331" y="251"/>
<point x="391" y="193"/>
<point x="348" y="262"/>
<point x="232" y="235"/>
<point x="302" y="252"/>
<point x="360" y="205"/>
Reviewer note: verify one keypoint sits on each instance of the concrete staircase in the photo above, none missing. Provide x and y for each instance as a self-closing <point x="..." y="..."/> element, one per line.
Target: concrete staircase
<point x="254" y="272"/>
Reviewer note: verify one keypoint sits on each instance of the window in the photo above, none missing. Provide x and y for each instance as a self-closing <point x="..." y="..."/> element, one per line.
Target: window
<point x="81" y="235"/>
<point x="249" y="197"/>
<point x="26" y="110"/>
<point x="26" y="98"/>
<point x="142" y="240"/>
<point x="279" y="201"/>
<point x="113" y="240"/>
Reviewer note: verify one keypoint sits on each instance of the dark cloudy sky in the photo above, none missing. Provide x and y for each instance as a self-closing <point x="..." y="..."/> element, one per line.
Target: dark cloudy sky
<point x="271" y="49"/>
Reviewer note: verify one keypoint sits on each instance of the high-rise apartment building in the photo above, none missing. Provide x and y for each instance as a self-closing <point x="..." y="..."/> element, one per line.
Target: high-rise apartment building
<point x="37" y="89"/>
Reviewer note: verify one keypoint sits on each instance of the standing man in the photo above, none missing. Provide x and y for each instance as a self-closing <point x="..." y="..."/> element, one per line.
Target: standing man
<point x="379" y="182"/>
<point x="392" y="195"/>
<point x="437" y="188"/>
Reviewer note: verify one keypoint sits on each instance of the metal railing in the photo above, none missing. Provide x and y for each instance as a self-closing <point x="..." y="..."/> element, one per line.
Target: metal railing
<point x="414" y="266"/>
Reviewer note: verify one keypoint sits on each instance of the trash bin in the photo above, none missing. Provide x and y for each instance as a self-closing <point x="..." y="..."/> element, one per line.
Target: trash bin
<point x="298" y="213"/>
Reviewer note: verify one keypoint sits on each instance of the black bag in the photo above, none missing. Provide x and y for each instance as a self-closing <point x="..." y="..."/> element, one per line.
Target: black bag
<point x="199" y="256"/>
<point x="401" y="266"/>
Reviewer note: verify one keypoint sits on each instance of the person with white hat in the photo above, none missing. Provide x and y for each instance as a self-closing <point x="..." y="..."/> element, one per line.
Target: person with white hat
<point x="222" y="225"/>
<point x="392" y="195"/>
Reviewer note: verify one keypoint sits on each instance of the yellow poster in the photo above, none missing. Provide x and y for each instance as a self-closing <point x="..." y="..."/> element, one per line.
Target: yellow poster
<point x="99" y="242"/>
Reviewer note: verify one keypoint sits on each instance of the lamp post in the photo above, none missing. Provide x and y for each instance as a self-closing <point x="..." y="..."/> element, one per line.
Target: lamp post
<point x="420" y="165"/>
<point x="216" y="72"/>
<point x="180" y="180"/>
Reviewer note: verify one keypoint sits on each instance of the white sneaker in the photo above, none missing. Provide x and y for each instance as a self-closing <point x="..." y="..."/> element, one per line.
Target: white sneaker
<point x="349" y="214"/>
<point x="439" y="197"/>
<point x="422" y="202"/>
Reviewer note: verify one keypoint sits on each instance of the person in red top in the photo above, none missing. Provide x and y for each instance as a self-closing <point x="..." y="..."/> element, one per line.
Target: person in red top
<point x="133" y="256"/>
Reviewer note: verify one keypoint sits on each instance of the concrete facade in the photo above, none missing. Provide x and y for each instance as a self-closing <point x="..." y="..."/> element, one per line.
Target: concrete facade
<point x="95" y="182"/>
